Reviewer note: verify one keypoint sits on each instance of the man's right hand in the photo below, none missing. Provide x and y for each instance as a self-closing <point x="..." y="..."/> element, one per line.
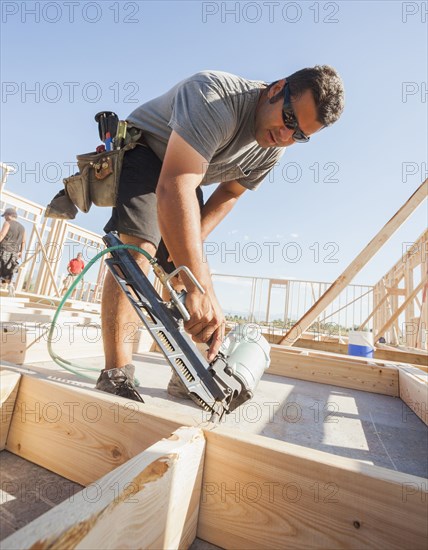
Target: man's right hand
<point x="207" y="322"/>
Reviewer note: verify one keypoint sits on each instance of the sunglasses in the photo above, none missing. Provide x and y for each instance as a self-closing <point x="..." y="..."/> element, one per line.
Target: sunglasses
<point x="289" y="118"/>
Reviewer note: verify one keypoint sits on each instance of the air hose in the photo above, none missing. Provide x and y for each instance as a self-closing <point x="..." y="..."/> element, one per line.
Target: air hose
<point x="64" y="363"/>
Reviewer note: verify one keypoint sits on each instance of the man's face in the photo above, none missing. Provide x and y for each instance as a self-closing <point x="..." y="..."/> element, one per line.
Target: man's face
<point x="270" y="129"/>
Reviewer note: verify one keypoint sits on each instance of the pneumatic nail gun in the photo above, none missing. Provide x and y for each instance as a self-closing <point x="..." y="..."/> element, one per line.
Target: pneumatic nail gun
<point x="218" y="387"/>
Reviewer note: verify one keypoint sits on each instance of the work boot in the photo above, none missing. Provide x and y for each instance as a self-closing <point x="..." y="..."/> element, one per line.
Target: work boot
<point x="176" y="388"/>
<point x="119" y="382"/>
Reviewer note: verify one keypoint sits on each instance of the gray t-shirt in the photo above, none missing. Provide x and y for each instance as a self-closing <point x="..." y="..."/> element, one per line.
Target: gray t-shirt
<point x="214" y="112"/>
<point x="13" y="238"/>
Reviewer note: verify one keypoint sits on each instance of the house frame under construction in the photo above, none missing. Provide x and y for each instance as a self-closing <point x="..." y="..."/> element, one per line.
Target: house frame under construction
<point x="156" y="479"/>
<point x="231" y="489"/>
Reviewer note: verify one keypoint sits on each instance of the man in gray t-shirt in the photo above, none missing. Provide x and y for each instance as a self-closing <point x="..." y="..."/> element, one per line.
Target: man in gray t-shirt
<point x="213" y="127"/>
<point x="214" y="113"/>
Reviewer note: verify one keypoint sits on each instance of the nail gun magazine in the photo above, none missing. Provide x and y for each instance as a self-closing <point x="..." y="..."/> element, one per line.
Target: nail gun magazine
<point x="218" y="387"/>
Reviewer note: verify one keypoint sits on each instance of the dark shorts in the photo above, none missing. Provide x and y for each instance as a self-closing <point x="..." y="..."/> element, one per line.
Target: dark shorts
<point x="8" y="265"/>
<point x="135" y="213"/>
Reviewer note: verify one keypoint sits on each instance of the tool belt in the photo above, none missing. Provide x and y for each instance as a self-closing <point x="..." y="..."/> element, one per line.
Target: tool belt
<point x="97" y="181"/>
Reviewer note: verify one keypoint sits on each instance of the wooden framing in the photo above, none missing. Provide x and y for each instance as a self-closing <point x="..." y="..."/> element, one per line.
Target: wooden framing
<point x="327" y="368"/>
<point x="409" y="299"/>
<point x="400" y="301"/>
<point x="153" y="497"/>
<point x="414" y="390"/>
<point x="357" y="264"/>
<point x="58" y="428"/>
<point x="381" y="352"/>
<point x="50" y="241"/>
<point x="8" y="392"/>
<point x="260" y="493"/>
<point x="26" y="342"/>
<point x="255" y="492"/>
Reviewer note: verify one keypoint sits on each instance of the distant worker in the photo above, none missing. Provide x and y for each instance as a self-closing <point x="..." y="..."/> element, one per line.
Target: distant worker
<point x="12" y="242"/>
<point x="74" y="268"/>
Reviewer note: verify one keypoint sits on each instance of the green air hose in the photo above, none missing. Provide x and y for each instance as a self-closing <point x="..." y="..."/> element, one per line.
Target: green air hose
<point x="68" y="365"/>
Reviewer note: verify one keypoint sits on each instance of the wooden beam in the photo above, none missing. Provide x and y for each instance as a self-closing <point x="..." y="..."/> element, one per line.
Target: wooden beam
<point x="392" y="291"/>
<point x="398" y="311"/>
<point x="402" y="356"/>
<point x="375" y="309"/>
<point x="422" y="332"/>
<point x="9" y="383"/>
<point x="259" y="493"/>
<point x="414" y="390"/>
<point x="356" y="265"/>
<point x="25" y="342"/>
<point x="414" y="256"/>
<point x="83" y="434"/>
<point x="152" y="501"/>
<point x="47" y="262"/>
<point x="324" y="368"/>
<point x="381" y="352"/>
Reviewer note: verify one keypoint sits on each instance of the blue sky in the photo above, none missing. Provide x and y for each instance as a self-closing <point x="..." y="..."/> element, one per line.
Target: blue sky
<point x="323" y="203"/>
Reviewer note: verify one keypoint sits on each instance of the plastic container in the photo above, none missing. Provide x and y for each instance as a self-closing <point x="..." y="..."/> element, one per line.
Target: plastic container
<point x="360" y="344"/>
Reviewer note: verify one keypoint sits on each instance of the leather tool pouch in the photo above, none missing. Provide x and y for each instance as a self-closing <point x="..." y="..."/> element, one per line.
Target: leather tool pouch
<point x="98" y="180"/>
<point x="77" y="189"/>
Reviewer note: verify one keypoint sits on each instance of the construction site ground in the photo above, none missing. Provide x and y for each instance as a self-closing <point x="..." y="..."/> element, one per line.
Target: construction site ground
<point x="373" y="428"/>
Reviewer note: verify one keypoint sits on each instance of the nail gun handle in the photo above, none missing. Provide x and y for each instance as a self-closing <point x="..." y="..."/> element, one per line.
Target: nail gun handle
<point x="189" y="274"/>
<point x="179" y="299"/>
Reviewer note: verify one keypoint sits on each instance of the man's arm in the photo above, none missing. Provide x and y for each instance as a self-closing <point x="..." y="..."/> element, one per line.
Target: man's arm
<point x="180" y="223"/>
<point x="4" y="230"/>
<point x="219" y="205"/>
<point x="21" y="248"/>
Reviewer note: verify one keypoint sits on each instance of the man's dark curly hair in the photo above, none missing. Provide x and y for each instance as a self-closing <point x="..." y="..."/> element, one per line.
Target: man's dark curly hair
<point x="326" y="87"/>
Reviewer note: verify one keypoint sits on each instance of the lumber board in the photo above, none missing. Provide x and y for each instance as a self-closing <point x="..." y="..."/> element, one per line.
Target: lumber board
<point x="9" y="383"/>
<point x="388" y="354"/>
<point x="396" y="291"/>
<point x="414" y="390"/>
<point x="152" y="501"/>
<point x="259" y="493"/>
<point x="27" y="342"/>
<point x="324" y="368"/>
<point x="392" y="319"/>
<point x="420" y="359"/>
<point x="380" y="353"/>
<point x="83" y="434"/>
